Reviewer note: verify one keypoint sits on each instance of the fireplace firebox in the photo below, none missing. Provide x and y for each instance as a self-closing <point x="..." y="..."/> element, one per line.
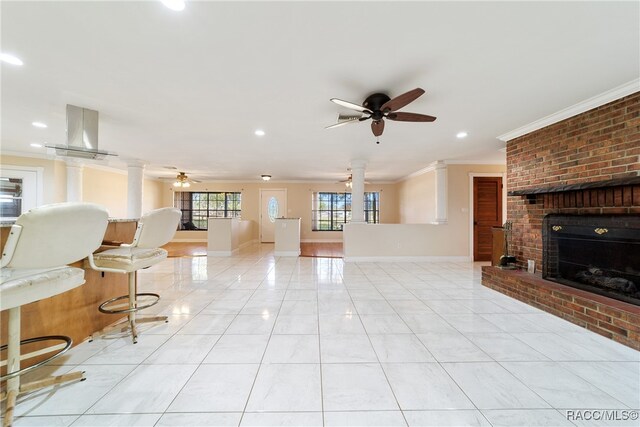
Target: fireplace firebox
<point x="596" y="253"/>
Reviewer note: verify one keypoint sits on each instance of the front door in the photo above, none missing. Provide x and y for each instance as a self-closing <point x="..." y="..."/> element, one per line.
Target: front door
<point x="273" y="204"/>
<point x="487" y="213"/>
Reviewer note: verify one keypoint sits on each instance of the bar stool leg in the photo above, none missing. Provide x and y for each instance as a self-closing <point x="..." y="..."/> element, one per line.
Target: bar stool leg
<point x="11" y="405"/>
<point x="13" y="364"/>
<point x="132" y="304"/>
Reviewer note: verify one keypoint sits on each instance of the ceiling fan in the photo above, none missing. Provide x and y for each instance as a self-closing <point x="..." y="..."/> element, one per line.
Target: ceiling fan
<point x="349" y="182"/>
<point x="379" y="107"/>
<point x="182" y="180"/>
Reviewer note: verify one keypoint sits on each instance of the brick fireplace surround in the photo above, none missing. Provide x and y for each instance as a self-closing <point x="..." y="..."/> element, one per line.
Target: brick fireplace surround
<point x="597" y="146"/>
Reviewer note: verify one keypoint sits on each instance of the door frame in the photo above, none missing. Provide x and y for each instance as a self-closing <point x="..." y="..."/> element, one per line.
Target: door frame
<point x="472" y="175"/>
<point x="33" y="184"/>
<point x="286" y="202"/>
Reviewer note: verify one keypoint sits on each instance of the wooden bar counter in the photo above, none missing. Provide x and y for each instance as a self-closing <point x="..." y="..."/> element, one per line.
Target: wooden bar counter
<point x="75" y="313"/>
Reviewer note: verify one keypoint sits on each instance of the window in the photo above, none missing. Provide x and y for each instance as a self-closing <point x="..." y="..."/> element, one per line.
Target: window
<point x="372" y="208"/>
<point x="10" y="197"/>
<point x="197" y="207"/>
<point x="331" y="210"/>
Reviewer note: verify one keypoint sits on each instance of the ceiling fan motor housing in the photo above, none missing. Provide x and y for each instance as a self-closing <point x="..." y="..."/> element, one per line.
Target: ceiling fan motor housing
<point x="376" y="101"/>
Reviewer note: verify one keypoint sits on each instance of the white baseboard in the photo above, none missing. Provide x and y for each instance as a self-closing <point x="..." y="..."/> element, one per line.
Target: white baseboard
<point x="287" y="253"/>
<point x="245" y="244"/>
<point x="320" y="240"/>
<point x="407" y="259"/>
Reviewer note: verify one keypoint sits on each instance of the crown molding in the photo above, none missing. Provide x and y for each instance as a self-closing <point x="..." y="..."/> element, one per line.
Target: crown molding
<point x="476" y="162"/>
<point x="24" y="154"/>
<point x="430" y="167"/>
<point x="272" y="181"/>
<point x="441" y="163"/>
<point x="85" y="164"/>
<point x="591" y="103"/>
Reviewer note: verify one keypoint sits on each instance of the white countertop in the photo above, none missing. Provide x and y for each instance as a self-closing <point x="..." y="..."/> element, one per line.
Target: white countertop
<point x="10" y="222"/>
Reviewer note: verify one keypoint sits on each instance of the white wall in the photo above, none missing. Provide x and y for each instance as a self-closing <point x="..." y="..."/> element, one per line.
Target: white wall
<point x="418" y="242"/>
<point x="417" y="196"/>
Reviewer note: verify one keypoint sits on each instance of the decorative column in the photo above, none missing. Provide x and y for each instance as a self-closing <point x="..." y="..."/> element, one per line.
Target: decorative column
<point x="135" y="183"/>
<point x="441" y="192"/>
<point x="74" y="180"/>
<point x="357" y="190"/>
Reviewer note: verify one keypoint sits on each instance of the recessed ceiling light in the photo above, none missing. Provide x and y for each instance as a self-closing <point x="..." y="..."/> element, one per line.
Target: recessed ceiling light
<point x="266" y="177"/>
<point x="10" y="59"/>
<point x="36" y="145"/>
<point x="39" y="124"/>
<point x="259" y="132"/>
<point x="176" y="5"/>
<point x="461" y="135"/>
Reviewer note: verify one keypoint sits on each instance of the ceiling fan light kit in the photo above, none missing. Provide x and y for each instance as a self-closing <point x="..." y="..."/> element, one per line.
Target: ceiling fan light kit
<point x="349" y="181"/>
<point x="380" y="106"/>
<point x="182" y="181"/>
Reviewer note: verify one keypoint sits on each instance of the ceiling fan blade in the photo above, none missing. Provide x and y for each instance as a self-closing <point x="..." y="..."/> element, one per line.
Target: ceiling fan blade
<point x="377" y="127"/>
<point x="344" y="122"/>
<point x="410" y="117"/>
<point x="351" y="105"/>
<point x="400" y="101"/>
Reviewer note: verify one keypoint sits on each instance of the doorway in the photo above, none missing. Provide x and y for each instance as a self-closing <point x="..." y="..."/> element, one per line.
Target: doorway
<point x="273" y="204"/>
<point x="487" y="213"/>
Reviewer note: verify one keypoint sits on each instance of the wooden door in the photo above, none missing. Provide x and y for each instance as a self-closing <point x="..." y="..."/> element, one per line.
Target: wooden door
<point x="487" y="213"/>
<point x="273" y="204"/>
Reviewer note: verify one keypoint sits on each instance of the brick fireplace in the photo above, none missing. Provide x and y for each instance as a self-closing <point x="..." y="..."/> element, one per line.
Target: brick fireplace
<point x="588" y="164"/>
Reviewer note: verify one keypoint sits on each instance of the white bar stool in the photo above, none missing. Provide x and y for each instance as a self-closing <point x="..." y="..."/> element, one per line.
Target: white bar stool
<point x="34" y="259"/>
<point x="155" y="229"/>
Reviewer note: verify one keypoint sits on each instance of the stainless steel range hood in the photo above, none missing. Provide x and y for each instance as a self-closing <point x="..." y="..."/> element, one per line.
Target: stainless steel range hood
<point x="82" y="135"/>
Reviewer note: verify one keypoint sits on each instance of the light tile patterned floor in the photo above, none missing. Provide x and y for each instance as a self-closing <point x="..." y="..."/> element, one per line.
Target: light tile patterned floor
<point x="255" y="340"/>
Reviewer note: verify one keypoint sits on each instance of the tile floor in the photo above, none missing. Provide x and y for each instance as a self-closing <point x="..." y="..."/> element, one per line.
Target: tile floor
<point x="255" y="340"/>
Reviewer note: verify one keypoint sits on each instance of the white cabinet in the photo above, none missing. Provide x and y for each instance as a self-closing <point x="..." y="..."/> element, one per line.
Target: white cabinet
<point x="287" y="237"/>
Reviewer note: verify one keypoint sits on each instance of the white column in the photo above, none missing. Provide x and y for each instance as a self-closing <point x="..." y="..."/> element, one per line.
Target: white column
<point x="441" y="192"/>
<point x="357" y="190"/>
<point x="74" y="181"/>
<point x="135" y="183"/>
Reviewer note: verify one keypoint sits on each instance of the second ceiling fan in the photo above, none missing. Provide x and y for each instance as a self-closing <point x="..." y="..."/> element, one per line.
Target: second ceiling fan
<point x="379" y="107"/>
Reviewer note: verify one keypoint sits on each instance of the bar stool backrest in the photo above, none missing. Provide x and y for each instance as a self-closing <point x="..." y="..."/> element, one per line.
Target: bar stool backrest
<point x="55" y="235"/>
<point x="156" y="228"/>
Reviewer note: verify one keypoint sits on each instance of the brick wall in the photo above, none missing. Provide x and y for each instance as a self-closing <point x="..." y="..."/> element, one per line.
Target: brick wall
<point x="600" y="144"/>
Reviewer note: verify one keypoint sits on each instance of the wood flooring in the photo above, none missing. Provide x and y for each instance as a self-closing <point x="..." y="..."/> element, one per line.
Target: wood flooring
<point x="186" y="249"/>
<point x="191" y="249"/>
<point x="322" y="250"/>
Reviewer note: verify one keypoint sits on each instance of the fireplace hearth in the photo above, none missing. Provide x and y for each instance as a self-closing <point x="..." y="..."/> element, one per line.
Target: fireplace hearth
<point x="596" y="253"/>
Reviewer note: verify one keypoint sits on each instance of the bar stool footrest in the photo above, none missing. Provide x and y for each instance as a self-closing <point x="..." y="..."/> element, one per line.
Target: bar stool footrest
<point x="68" y="342"/>
<point x="104" y="307"/>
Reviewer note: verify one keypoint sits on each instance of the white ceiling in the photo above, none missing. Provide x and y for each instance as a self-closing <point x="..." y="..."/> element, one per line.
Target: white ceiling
<point x="188" y="89"/>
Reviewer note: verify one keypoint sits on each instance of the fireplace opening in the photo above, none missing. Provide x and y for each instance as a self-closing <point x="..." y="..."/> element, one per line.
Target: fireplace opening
<point x="596" y="253"/>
